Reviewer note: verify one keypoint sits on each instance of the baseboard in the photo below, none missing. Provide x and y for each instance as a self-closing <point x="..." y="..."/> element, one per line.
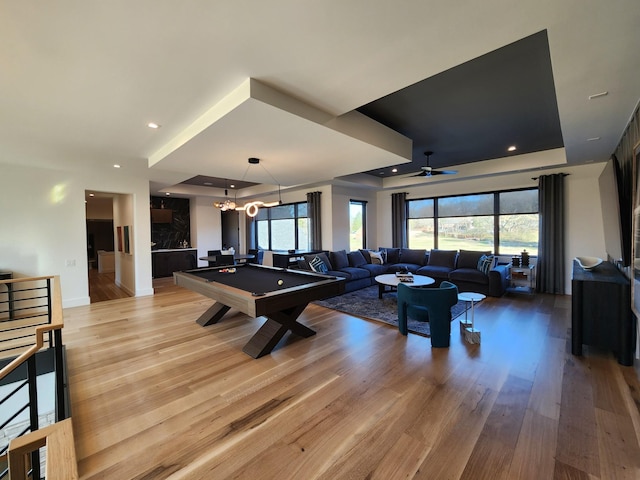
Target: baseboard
<point x="76" y="302"/>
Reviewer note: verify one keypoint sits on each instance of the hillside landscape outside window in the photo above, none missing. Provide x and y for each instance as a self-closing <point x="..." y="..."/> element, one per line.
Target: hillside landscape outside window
<point x="502" y="222"/>
<point x="357" y="224"/>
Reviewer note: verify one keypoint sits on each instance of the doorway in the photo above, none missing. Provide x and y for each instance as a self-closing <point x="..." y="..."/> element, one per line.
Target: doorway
<point x="100" y="247"/>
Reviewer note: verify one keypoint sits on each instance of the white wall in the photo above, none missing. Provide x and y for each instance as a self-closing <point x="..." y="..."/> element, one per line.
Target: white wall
<point x="125" y="265"/>
<point x="206" y="226"/>
<point x="44" y="224"/>
<point x="584" y="227"/>
<point x="44" y="220"/>
<point x="341" y="196"/>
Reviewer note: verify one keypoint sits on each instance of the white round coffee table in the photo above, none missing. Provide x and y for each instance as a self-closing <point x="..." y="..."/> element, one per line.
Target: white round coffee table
<point x="392" y="281"/>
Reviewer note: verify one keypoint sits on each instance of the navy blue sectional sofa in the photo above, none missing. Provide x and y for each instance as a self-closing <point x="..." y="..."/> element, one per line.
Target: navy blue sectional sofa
<point x="359" y="267"/>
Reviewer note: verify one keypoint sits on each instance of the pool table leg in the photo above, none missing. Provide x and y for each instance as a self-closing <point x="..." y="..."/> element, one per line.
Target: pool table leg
<point x="272" y="331"/>
<point x="213" y="314"/>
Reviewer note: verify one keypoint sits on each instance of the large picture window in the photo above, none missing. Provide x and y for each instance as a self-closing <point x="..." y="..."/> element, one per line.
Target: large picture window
<point x="502" y="222"/>
<point x="357" y="224"/>
<point x="284" y="227"/>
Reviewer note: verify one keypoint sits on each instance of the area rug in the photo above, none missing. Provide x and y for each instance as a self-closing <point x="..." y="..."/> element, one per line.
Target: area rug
<point x="365" y="303"/>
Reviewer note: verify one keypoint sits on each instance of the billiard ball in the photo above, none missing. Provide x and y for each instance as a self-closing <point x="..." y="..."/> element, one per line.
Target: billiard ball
<point x="280" y="282"/>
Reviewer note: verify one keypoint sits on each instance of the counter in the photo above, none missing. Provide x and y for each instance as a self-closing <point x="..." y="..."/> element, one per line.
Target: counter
<point x="165" y="261"/>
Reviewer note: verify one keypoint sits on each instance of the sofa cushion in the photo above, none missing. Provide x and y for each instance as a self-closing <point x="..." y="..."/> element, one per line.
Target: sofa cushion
<point x="340" y="274"/>
<point x="356" y="259"/>
<point x="339" y="259"/>
<point x="485" y="262"/>
<point x="414" y="256"/>
<point x="322" y="256"/>
<point x="356" y="273"/>
<point x="392" y="255"/>
<point x="442" y="258"/>
<point x="377" y="258"/>
<point x="375" y="270"/>
<point x="469" y="275"/>
<point x="435" y="271"/>
<point x="469" y="258"/>
<point x="318" y="265"/>
<point x="366" y="255"/>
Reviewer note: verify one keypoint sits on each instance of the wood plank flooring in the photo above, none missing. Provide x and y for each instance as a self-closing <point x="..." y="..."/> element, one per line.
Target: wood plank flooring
<point x="156" y="396"/>
<point x="102" y="287"/>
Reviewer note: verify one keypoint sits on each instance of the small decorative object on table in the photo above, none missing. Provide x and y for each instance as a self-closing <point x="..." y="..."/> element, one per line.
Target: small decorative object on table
<point x="524" y="258"/>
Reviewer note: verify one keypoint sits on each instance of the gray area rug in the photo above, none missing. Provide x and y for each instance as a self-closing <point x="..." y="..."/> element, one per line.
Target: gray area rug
<point x="366" y="304"/>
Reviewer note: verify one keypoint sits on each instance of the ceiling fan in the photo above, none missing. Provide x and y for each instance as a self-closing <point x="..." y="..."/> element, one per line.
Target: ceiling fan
<point x="428" y="171"/>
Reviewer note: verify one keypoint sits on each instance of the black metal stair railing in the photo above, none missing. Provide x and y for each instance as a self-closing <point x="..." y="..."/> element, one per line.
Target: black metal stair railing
<point x="30" y="346"/>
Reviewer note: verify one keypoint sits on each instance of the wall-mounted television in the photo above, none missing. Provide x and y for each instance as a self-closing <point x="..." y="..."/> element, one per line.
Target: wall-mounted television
<point x="617" y="230"/>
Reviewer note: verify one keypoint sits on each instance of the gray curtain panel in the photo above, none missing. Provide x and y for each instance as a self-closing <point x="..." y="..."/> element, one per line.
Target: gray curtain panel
<point x="251" y="233"/>
<point x="399" y="220"/>
<point x="313" y="211"/>
<point x="550" y="266"/>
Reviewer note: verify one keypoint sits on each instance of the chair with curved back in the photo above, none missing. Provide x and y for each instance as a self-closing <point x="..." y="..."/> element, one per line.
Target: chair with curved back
<point x="224" y="260"/>
<point x="432" y="304"/>
<point x="257" y="255"/>
<point x="213" y="253"/>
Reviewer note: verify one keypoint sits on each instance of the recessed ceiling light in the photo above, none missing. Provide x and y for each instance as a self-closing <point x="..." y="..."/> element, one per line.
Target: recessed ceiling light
<point x="381" y="173"/>
<point x="593" y="139"/>
<point x="394" y="170"/>
<point x="153" y="125"/>
<point x="208" y="184"/>
<point x="167" y="194"/>
<point x="512" y="148"/>
<point x="92" y="195"/>
<point x="116" y="166"/>
<point x="232" y="186"/>
<point x="597" y="95"/>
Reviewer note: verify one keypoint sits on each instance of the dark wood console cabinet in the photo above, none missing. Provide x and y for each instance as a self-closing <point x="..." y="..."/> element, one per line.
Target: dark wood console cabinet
<point x="164" y="263"/>
<point x="601" y="311"/>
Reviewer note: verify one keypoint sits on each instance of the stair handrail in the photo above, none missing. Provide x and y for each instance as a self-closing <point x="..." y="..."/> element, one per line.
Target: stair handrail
<point x="57" y="322"/>
<point x="58" y="437"/>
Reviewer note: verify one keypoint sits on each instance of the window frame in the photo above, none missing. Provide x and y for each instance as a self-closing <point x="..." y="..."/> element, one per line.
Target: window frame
<point x="496" y="213"/>
<point x="363" y="205"/>
<point x="295" y="218"/>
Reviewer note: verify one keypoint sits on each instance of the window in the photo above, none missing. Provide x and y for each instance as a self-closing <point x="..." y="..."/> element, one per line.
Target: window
<point x="466" y="222"/>
<point x="283" y="227"/>
<point x="503" y="222"/>
<point x="357" y="224"/>
<point x="421" y="224"/>
<point x="519" y="222"/>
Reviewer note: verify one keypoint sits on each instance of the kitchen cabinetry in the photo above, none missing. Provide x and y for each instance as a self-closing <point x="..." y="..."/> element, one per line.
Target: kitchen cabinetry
<point x="165" y="262"/>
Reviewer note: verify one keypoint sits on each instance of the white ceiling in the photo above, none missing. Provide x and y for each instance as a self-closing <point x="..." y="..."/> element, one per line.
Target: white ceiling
<point x="80" y="80"/>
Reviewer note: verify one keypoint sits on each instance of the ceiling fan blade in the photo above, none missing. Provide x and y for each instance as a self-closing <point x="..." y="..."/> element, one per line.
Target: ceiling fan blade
<point x="421" y="174"/>
<point x="443" y="172"/>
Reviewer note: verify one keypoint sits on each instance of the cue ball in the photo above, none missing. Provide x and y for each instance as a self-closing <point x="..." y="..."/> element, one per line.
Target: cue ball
<point x="280" y="282"/>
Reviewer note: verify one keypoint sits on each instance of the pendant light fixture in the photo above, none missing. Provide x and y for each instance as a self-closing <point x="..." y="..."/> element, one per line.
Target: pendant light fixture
<point x="251" y="208"/>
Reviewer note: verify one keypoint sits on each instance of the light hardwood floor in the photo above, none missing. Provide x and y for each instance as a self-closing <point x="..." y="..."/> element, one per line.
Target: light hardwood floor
<point x="155" y="396"/>
<point x="102" y="287"/>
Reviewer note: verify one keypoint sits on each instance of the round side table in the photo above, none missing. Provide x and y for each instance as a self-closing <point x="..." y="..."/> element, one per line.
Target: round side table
<point x="471" y="335"/>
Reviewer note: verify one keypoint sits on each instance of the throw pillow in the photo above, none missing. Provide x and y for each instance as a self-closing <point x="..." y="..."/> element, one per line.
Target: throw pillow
<point x="484" y="263"/>
<point x="377" y="258"/>
<point x="339" y="259"/>
<point x="317" y="265"/>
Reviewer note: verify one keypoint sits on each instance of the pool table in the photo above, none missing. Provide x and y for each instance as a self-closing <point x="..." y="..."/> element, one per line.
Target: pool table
<point x="278" y="294"/>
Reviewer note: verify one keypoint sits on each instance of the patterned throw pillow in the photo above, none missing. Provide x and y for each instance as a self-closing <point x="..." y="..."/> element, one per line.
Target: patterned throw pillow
<point x="317" y="265"/>
<point x="484" y="263"/>
<point x="377" y="258"/>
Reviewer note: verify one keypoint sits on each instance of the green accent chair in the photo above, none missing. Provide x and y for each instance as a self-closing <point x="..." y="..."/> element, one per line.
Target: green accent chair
<point x="432" y="304"/>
